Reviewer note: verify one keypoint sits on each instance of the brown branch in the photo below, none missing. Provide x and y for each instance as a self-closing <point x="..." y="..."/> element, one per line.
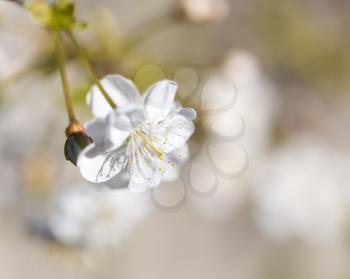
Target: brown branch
<point x="19" y="2"/>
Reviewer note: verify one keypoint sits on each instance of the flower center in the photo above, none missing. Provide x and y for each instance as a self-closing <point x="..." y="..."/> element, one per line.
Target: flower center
<point x="140" y="133"/>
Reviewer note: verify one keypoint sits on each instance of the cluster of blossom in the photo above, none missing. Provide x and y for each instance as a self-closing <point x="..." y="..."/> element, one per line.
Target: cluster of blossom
<point x="138" y="143"/>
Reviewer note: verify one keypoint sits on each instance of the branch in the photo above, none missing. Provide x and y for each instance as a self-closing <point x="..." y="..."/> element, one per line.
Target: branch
<point x="19" y="2"/>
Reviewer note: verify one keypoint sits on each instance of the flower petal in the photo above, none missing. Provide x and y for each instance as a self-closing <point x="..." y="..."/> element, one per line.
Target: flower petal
<point x="123" y="121"/>
<point x="172" y="160"/>
<point x="179" y="155"/>
<point x="159" y="99"/>
<point x="101" y="133"/>
<point x="170" y="174"/>
<point x="142" y="166"/>
<point x="98" y="166"/>
<point x="173" y="134"/>
<point x="167" y="169"/>
<point x="189" y="113"/>
<point x="96" y="128"/>
<point x="119" y="181"/>
<point x="121" y="90"/>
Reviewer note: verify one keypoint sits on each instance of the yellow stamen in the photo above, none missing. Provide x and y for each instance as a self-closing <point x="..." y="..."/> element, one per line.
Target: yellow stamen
<point x="150" y="145"/>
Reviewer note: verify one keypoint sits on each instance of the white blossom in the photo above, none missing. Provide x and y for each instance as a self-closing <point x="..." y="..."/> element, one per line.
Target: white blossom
<point x="138" y="143"/>
<point x="239" y="118"/>
<point x="95" y="218"/>
<point x="302" y="190"/>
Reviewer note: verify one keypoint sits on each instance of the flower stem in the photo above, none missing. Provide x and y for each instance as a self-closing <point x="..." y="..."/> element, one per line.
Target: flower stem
<point x="64" y="79"/>
<point x="89" y="68"/>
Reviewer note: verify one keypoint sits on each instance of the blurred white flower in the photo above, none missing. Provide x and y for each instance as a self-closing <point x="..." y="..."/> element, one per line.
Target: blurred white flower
<point x="202" y="11"/>
<point x="302" y="190"/>
<point x="238" y="111"/>
<point x="138" y="143"/>
<point x="18" y="44"/>
<point x="94" y="217"/>
<point x="256" y="102"/>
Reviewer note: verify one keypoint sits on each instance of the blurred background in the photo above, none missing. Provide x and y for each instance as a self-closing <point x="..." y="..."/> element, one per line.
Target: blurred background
<point x="266" y="192"/>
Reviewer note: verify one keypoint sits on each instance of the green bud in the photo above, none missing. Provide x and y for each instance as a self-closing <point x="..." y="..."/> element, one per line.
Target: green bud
<point x="58" y="15"/>
<point x="40" y="10"/>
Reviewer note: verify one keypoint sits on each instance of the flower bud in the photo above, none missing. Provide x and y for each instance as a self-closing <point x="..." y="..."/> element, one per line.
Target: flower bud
<point x="54" y="14"/>
<point x="76" y="141"/>
<point x="204" y="11"/>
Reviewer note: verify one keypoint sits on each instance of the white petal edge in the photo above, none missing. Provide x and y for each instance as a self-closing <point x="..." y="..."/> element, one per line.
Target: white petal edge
<point x="98" y="167"/>
<point x="121" y="90"/>
<point x="188" y="113"/>
<point x="159" y="99"/>
<point x="175" y="134"/>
